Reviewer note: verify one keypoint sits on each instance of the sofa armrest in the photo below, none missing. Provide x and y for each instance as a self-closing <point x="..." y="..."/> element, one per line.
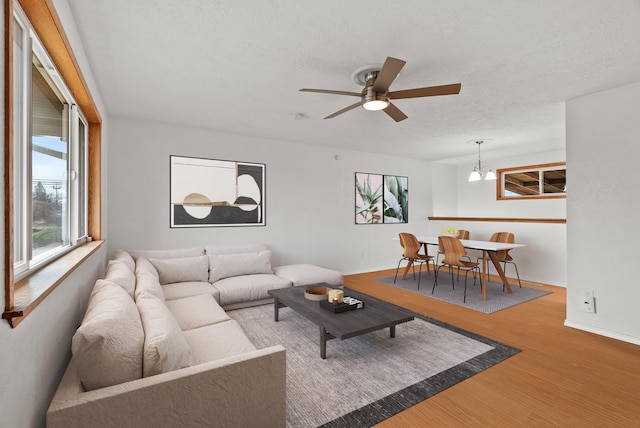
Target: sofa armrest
<point x="245" y="390"/>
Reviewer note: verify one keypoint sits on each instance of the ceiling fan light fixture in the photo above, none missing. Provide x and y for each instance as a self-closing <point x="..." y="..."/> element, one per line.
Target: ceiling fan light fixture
<point x="374" y="105"/>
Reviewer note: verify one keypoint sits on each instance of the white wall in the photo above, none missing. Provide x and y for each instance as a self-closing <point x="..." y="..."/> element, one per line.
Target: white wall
<point x="309" y="201"/>
<point x="544" y="258"/>
<point x="603" y="206"/>
<point x="36" y="352"/>
<point x="445" y="190"/>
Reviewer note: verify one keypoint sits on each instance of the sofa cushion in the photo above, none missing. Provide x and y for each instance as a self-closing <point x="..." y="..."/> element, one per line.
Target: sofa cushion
<point x="179" y="290"/>
<point x="165" y="347"/>
<point x="147" y="279"/>
<point x="182" y="269"/>
<point x="167" y="254"/>
<point x="217" y="341"/>
<point x="119" y="273"/>
<point x="125" y="257"/>
<point x="228" y="265"/>
<point x="235" y="249"/>
<point x="107" y="347"/>
<point x="248" y="287"/>
<point x="196" y="311"/>
<point x="305" y="274"/>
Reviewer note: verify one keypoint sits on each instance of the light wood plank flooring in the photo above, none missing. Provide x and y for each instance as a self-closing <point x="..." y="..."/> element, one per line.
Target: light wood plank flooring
<point x="562" y="378"/>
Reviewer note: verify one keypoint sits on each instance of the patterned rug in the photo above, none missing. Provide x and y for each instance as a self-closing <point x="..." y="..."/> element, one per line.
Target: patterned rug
<point x="367" y="379"/>
<point x="496" y="298"/>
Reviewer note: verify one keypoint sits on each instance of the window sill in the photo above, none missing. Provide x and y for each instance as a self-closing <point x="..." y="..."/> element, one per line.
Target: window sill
<point x="30" y="291"/>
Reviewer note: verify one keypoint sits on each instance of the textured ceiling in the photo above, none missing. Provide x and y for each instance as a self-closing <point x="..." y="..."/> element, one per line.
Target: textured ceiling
<point x="236" y="66"/>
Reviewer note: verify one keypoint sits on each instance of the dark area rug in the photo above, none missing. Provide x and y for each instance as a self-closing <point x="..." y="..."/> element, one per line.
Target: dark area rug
<point x="369" y="378"/>
<point x="496" y="298"/>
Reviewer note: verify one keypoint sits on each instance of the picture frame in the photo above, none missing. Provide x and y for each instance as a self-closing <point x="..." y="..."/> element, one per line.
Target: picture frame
<point x="216" y="193"/>
<point x="381" y="199"/>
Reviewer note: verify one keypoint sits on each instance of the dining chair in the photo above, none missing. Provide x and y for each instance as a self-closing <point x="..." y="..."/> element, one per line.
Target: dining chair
<point x="503" y="256"/>
<point x="454" y="252"/>
<point x="411" y="254"/>
<point x="462" y="234"/>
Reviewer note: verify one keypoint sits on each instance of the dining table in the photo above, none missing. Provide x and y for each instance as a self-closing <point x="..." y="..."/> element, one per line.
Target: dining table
<point x="489" y="252"/>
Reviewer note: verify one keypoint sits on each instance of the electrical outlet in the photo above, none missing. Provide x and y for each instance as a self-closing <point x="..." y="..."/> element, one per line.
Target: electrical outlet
<point x="588" y="302"/>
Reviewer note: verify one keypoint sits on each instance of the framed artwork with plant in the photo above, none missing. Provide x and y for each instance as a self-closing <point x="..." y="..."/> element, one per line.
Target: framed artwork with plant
<point x="381" y="198"/>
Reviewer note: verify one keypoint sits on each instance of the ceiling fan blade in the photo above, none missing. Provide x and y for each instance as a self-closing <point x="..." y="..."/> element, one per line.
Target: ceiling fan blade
<point x="344" y="110"/>
<point x="329" y="91"/>
<point x="395" y="113"/>
<point x="390" y="70"/>
<point x="430" y="91"/>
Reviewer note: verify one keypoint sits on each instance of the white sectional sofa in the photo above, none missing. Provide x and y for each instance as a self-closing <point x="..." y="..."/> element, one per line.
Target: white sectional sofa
<point x="156" y="347"/>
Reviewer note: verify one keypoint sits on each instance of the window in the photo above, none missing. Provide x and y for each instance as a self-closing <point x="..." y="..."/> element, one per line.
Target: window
<point x="532" y="182"/>
<point x="49" y="156"/>
<point x="51" y="120"/>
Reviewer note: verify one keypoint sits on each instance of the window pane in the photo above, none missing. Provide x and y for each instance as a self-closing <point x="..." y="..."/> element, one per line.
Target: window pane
<point x="554" y="181"/>
<point x="522" y="184"/>
<point x="49" y="157"/>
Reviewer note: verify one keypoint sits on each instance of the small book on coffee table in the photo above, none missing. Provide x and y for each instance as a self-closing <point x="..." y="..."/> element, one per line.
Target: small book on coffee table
<point x="348" y="304"/>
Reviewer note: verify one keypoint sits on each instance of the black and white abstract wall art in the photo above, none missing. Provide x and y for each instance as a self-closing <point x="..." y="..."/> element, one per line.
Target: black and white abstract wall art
<point x="211" y="192"/>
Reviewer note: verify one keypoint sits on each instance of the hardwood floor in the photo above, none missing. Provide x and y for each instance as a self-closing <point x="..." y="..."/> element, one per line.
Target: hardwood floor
<point x="562" y="378"/>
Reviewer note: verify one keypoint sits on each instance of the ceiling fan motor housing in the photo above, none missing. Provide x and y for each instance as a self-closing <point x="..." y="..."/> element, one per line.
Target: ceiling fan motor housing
<point x="372" y="100"/>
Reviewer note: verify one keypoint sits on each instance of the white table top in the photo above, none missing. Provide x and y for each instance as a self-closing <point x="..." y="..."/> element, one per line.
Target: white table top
<point x="473" y="245"/>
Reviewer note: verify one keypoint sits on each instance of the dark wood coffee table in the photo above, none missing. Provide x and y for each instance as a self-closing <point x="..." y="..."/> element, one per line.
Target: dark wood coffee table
<point x="375" y="315"/>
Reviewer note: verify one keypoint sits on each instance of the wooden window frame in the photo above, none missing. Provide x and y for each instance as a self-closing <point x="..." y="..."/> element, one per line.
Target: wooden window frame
<point x="22" y="297"/>
<point x="500" y="173"/>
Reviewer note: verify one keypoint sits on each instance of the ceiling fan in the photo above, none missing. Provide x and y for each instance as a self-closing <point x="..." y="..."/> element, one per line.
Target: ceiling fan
<point x="376" y="95"/>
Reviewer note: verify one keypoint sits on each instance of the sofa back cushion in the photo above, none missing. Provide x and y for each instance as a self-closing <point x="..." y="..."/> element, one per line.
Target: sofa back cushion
<point x="125" y="257"/>
<point x="165" y="347"/>
<point x="119" y="273"/>
<point x="235" y="249"/>
<point x="228" y="265"/>
<point x="147" y="279"/>
<point x="168" y="254"/>
<point x="107" y="347"/>
<point x="183" y="269"/>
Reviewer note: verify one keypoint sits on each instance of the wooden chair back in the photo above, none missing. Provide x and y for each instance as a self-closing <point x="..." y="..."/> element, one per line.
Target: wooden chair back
<point x="452" y="249"/>
<point x="507" y="238"/>
<point x="411" y="245"/>
<point x="463" y="234"/>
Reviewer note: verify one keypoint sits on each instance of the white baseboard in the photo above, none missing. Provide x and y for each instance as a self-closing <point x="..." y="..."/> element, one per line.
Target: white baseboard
<point x="601" y="332"/>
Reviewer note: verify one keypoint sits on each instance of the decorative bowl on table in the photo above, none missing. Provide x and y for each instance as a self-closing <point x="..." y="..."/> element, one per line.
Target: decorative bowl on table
<point x="450" y="232"/>
<point x="316" y="292"/>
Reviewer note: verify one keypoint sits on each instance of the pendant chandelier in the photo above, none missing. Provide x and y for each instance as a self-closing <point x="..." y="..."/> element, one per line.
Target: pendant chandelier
<point x="477" y="173"/>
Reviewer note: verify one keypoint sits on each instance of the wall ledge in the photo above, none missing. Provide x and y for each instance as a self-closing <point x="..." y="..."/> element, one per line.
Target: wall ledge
<point x="504" y="219"/>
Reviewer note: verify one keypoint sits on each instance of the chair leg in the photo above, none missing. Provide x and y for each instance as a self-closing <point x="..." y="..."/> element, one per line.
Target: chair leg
<point x="464" y="297"/>
<point x="419" y="274"/>
<point x="504" y="264"/>
<point x="435" y="281"/>
<point x="397" y="269"/>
